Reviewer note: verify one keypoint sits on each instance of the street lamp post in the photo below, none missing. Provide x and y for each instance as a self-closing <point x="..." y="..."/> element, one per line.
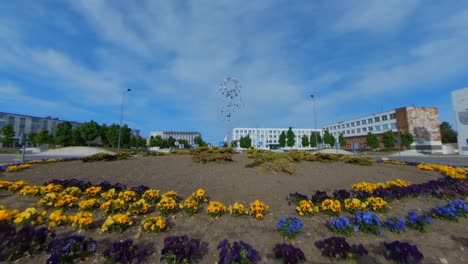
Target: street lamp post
<point x="121" y="119"/>
<point x="315" y="124"/>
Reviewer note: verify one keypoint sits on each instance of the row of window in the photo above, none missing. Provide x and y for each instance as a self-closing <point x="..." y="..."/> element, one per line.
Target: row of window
<point x="379" y="128"/>
<point x="362" y="122"/>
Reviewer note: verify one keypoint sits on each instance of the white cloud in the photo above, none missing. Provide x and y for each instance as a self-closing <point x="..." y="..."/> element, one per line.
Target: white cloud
<point x="376" y="16"/>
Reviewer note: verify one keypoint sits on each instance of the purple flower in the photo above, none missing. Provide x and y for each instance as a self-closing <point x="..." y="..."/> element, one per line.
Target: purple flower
<point x="402" y="252"/>
<point x="288" y="253"/>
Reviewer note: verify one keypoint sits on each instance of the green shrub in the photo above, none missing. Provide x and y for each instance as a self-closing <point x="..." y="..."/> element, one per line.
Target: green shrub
<point x="282" y="164"/>
<point x="151" y="153"/>
<point x="327" y="157"/>
<point x="363" y="161"/>
<point x="261" y="156"/>
<point x="204" y="155"/>
<point x="99" y="157"/>
<point x="298" y="155"/>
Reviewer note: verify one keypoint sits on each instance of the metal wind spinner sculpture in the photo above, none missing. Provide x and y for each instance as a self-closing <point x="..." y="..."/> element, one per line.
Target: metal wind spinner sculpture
<point x="230" y="88"/>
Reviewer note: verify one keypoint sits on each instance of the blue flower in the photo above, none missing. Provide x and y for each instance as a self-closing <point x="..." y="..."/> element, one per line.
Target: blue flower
<point x="413" y="217"/>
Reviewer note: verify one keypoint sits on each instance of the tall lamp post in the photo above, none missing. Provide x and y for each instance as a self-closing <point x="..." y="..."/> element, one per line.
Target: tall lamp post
<point x="121" y="118"/>
<point x="315" y="123"/>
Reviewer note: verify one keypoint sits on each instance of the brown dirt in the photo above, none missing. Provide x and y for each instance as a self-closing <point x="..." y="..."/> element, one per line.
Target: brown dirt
<point x="232" y="182"/>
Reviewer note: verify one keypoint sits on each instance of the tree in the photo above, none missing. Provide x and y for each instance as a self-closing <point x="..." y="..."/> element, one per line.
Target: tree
<point x="43" y="137"/>
<point x="305" y="141"/>
<point x="184" y="142"/>
<point x="328" y="138"/>
<point x="372" y="140"/>
<point x="199" y="141"/>
<point x="449" y="135"/>
<point x="90" y="131"/>
<point x="125" y="136"/>
<point x="103" y="135"/>
<point x="290" y="141"/>
<point x="8" y="133"/>
<point x="312" y="139"/>
<point x="32" y="138"/>
<point x="170" y="142"/>
<point x="157" y="141"/>
<point x="245" y="142"/>
<point x="76" y="139"/>
<point x="282" y="139"/>
<point x="342" y="140"/>
<point x="388" y="139"/>
<point x="407" y="139"/>
<point x="113" y="134"/>
<point x="63" y="134"/>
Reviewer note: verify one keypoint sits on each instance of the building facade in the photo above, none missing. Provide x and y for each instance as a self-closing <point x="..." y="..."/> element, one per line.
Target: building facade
<point x="460" y="106"/>
<point x="266" y="138"/>
<point x="25" y="124"/>
<point x="189" y="136"/>
<point x="421" y="122"/>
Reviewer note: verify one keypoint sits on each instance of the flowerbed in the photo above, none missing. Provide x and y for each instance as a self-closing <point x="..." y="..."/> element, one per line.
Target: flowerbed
<point x="104" y="192"/>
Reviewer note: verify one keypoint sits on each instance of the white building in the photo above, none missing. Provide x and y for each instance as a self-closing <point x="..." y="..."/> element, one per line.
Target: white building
<point x="25" y="124"/>
<point x="376" y="123"/>
<point x="268" y="137"/>
<point x="189" y="136"/>
<point x="460" y="105"/>
<point x="421" y="122"/>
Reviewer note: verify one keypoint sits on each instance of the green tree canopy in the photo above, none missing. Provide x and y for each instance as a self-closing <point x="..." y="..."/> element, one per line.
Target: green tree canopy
<point x="342" y="140"/>
<point x="372" y="140"/>
<point x="158" y="141"/>
<point x="76" y="139"/>
<point x="43" y="137"/>
<point x="388" y="139"/>
<point x="312" y="139"/>
<point x="305" y="141"/>
<point x="290" y="138"/>
<point x="125" y="136"/>
<point x="113" y="134"/>
<point x="245" y="142"/>
<point x="90" y="131"/>
<point x="8" y="133"/>
<point x="407" y="139"/>
<point x="63" y="134"/>
<point x="449" y="135"/>
<point x="170" y="142"/>
<point x="199" y="141"/>
<point x="328" y="138"/>
<point x="32" y="138"/>
<point x="103" y="135"/>
<point x="282" y="139"/>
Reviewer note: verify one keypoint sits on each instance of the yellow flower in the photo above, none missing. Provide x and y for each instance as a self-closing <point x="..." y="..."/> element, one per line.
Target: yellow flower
<point x="216" y="208"/>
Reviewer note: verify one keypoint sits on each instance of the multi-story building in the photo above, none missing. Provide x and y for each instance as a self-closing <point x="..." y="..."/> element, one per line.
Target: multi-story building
<point x="268" y="137"/>
<point x="25" y="124"/>
<point x="421" y="122"/>
<point x="189" y="136"/>
<point x="460" y="105"/>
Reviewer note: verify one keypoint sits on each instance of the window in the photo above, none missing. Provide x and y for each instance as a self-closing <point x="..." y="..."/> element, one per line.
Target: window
<point x="385" y="126"/>
<point x="369" y="120"/>
<point x="393" y="125"/>
<point x="392" y="116"/>
<point x="347" y="132"/>
<point x="347" y="124"/>
<point x="358" y="123"/>
<point x="384" y="117"/>
<point x="377" y="128"/>
<point x="377" y="119"/>
<point x="371" y="128"/>
<point x="352" y="131"/>
<point x="352" y="124"/>
<point x="364" y="122"/>
<point x="342" y="126"/>
<point x="358" y="130"/>
<point x="364" y="129"/>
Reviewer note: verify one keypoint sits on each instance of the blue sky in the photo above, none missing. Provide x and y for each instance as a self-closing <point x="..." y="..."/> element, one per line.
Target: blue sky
<point x="73" y="60"/>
